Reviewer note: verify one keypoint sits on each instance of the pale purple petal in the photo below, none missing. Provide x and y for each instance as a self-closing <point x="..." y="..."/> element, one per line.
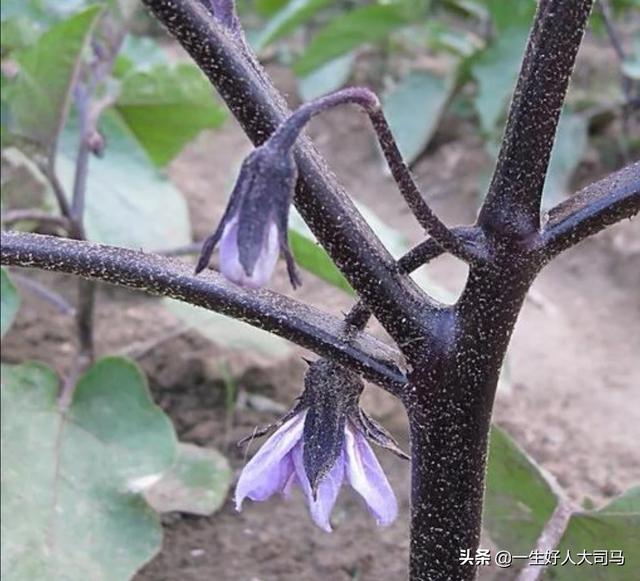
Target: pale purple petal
<point x="230" y="259"/>
<point x="270" y="469"/>
<point x="367" y="477"/>
<point x="328" y="489"/>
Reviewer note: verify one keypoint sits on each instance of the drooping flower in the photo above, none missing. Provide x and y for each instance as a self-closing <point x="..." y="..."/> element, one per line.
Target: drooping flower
<point x="321" y="443"/>
<point x="254" y="228"/>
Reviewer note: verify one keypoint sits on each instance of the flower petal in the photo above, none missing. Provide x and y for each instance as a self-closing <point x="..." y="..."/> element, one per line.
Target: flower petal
<point x="230" y="257"/>
<point x="367" y="477"/>
<point x="272" y="466"/>
<point x="328" y="489"/>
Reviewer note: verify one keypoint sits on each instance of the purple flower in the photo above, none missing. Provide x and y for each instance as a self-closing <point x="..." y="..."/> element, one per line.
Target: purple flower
<point x="319" y="444"/>
<point x="254" y="228"/>
<point x="279" y="465"/>
<point x="230" y="265"/>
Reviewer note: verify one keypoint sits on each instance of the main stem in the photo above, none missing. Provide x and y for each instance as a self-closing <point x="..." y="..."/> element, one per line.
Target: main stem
<point x="454" y="381"/>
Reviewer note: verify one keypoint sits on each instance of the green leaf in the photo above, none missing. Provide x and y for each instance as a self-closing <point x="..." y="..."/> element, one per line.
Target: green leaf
<point x="327" y="78"/>
<point x="9" y="302"/>
<point x="413" y="109"/>
<point x="350" y="30"/>
<point x="39" y="99"/>
<point x="128" y="203"/>
<point x="17" y="33"/>
<point x="138" y="53"/>
<point x="496" y="70"/>
<point x="197" y="483"/>
<point x="616" y="527"/>
<point x="166" y="107"/>
<point x="568" y="150"/>
<point x="292" y="15"/>
<point x="228" y="332"/>
<point x="313" y="258"/>
<point x="519" y="500"/>
<point x="511" y="14"/>
<point x="269" y="7"/>
<point x="70" y="509"/>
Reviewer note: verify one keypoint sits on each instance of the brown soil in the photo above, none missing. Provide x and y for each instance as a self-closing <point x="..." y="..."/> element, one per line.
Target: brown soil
<point x="572" y="400"/>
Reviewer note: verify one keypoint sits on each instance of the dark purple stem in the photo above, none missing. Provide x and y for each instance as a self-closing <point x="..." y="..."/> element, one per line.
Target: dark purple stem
<point x="159" y="275"/>
<point x="512" y="206"/>
<point x="592" y="209"/>
<point x="454" y="353"/>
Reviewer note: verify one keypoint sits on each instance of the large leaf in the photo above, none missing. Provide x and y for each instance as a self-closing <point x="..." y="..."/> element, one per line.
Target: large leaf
<point x="327" y="78"/>
<point x="166" y="107"/>
<point x="614" y="528"/>
<point x="292" y="15"/>
<point x="350" y="30"/>
<point x="228" y="332"/>
<point x="39" y="100"/>
<point x="413" y="109"/>
<point x="9" y="302"/>
<point x="128" y="202"/>
<point x="496" y="70"/>
<point x="519" y="500"/>
<point x="568" y="149"/>
<point x="69" y="506"/>
<point x="197" y="483"/>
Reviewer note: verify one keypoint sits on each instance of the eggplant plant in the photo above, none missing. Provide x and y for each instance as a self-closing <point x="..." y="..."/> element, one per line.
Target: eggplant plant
<point x="446" y="359"/>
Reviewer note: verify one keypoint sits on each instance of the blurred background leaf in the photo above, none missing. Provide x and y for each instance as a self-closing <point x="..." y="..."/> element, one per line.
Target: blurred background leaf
<point x="227" y="332"/>
<point x="518" y="500"/>
<point x="615" y="527"/>
<point x="568" y="150"/>
<point x="39" y="100"/>
<point x="350" y="30"/>
<point x="166" y="107"/>
<point x="327" y="78"/>
<point x="291" y="15"/>
<point x="413" y="108"/>
<point x="197" y="483"/>
<point x="112" y="435"/>
<point x="9" y="302"/>
<point x="129" y="203"/>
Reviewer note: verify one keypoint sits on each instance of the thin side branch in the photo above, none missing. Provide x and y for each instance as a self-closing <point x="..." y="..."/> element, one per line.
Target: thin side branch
<point x="44" y="293"/>
<point x="592" y="209"/>
<point x="163" y="276"/>
<point x="471" y="237"/>
<point x="324" y="205"/>
<point x="11" y="217"/>
<point x="286" y="135"/>
<point x="549" y="539"/>
<point x="512" y="205"/>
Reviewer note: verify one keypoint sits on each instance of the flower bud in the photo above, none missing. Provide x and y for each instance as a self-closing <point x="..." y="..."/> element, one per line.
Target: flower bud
<point x="253" y="229"/>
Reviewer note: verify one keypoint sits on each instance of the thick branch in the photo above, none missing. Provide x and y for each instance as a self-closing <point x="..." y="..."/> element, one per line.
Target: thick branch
<point x="158" y="275"/>
<point x="512" y="206"/>
<point x="592" y="209"/>
<point x="396" y="301"/>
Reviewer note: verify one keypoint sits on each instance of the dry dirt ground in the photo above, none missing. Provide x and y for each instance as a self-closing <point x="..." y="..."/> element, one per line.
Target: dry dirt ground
<point x="572" y="399"/>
